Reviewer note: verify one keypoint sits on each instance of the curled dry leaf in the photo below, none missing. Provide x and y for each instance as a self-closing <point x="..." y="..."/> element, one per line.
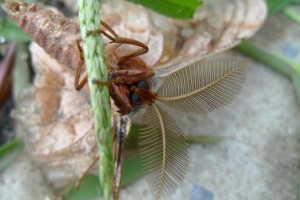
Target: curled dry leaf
<point x="175" y="43"/>
<point x="57" y="120"/>
<point x="236" y="21"/>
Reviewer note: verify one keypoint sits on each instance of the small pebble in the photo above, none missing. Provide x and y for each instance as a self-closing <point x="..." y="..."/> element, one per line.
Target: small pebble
<point x="200" y="193"/>
<point x="290" y="51"/>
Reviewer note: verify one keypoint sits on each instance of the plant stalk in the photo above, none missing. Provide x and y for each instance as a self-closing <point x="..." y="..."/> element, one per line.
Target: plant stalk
<point x="273" y="61"/>
<point x="290" y="13"/>
<point x="89" y="16"/>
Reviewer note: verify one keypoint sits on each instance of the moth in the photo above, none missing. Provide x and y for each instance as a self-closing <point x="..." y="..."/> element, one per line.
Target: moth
<point x="196" y="88"/>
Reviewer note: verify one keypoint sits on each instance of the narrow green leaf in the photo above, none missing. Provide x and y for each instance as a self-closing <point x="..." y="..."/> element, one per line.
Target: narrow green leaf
<point x="89" y="189"/>
<point x="8" y="153"/>
<point x="182" y="9"/>
<point x="203" y="139"/>
<point x="292" y="14"/>
<point x="132" y="167"/>
<point x="280" y="63"/>
<point x="186" y="3"/>
<point x="131" y="142"/>
<point x="9" y="31"/>
<point x="276" y="5"/>
<point x="6" y="148"/>
<point x="270" y="59"/>
<point x="132" y="170"/>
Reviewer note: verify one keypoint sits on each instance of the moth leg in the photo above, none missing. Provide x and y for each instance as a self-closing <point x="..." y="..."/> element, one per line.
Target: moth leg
<point x="78" y="84"/>
<point x="105" y="25"/>
<point x="101" y="82"/>
<point x="110" y="36"/>
<point x="121" y="40"/>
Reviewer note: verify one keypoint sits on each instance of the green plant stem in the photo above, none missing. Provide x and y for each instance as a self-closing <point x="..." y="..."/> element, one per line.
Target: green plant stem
<point x="290" y="13"/>
<point x="89" y="15"/>
<point x="280" y="63"/>
<point x="9" y="152"/>
<point x="203" y="139"/>
<point x="275" y="62"/>
<point x="9" y="146"/>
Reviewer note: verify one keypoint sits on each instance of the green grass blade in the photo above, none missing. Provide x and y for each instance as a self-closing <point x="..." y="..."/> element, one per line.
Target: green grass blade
<point x="276" y="5"/>
<point x="182" y="9"/>
<point x="9" y="31"/>
<point x="204" y="139"/>
<point x="270" y="59"/>
<point x="89" y="15"/>
<point x="279" y="63"/>
<point x="132" y="169"/>
<point x="292" y="14"/>
<point x="89" y="189"/>
<point x="9" y="152"/>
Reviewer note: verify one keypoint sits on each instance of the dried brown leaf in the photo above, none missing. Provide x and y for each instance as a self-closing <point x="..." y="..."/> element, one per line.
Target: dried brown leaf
<point x="56" y="122"/>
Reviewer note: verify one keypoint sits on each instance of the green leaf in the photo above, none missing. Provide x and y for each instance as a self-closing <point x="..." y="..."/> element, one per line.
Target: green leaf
<point x="182" y="9"/>
<point x="292" y="14"/>
<point x="89" y="189"/>
<point x="204" y="139"/>
<point x="280" y="63"/>
<point x="132" y="167"/>
<point x="131" y="142"/>
<point x="132" y="170"/>
<point x="276" y="5"/>
<point x="186" y="3"/>
<point x="266" y="57"/>
<point x="9" y="31"/>
<point x="9" y="152"/>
